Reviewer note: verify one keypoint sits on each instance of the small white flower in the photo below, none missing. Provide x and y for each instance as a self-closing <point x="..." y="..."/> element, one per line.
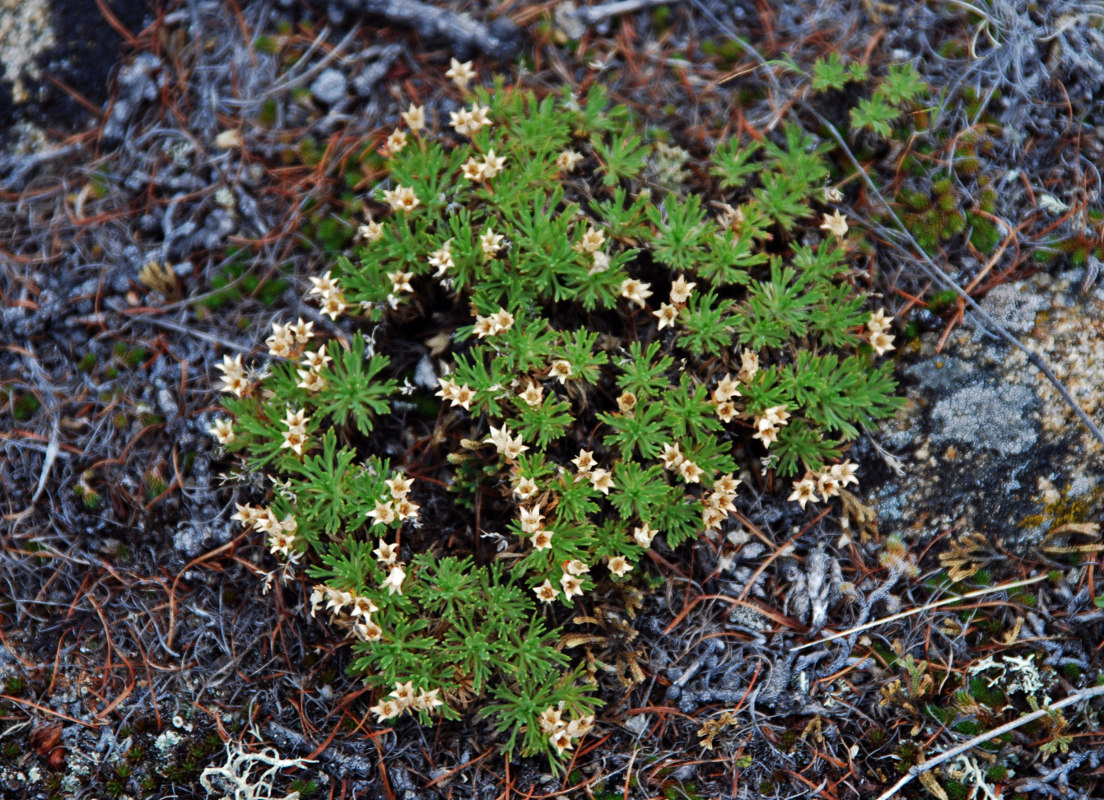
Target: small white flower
<point x="681" y="290"/>
<point x="546" y="592"/>
<point x="460" y="73"/>
<point x="568" y="160"/>
<point x="401" y="198"/>
<point x="395" y="143"/>
<point x="619" y="566"/>
<point x="835" y="223"/>
<point x="223" y="430"/>
<point x="394" y="580"/>
<point x="635" y="291"/>
<point x="414" y="117"/>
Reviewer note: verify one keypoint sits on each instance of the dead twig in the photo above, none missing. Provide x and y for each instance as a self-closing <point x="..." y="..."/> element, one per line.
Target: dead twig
<point x="924" y="766"/>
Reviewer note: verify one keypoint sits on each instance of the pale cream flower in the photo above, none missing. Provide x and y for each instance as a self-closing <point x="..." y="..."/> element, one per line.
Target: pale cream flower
<point x="310" y="380"/>
<point x="472" y="169"/>
<point x="619" y="566"/>
<point x="601" y="263"/>
<point x="832" y="195"/>
<point x="546" y="592"/>
<point x="427" y="701"/>
<point x="844" y="472"/>
<point x="281" y="341"/>
<point x="726" y="389"/>
<point x="768" y="435"/>
<point x="690" y="472"/>
<point x="223" y="430"/>
<point x="635" y="291"/>
<point x="711" y="517"/>
<point x="382" y="514"/>
<point x="280" y="544"/>
<point x="667" y="314"/>
<point x="881" y="342"/>
<point x="247" y="515"/>
<point x="592" y="241"/>
<point x="400" y="486"/>
<point x="561" y="740"/>
<point x="442" y="259"/>
<point x="368" y="630"/>
<point x="576" y="567"/>
<point x="479" y="117"/>
<point x="572" y="586"/>
<point x="541" y="539"/>
<point x="461" y="122"/>
<point x="726" y="411"/>
<point x="526" y="488"/>
<point x="405" y="508"/>
<point x="531" y="519"/>
<point x="509" y="447"/>
<point x="551" y="719"/>
<point x="804" y="490"/>
<point x="643" y="535"/>
<point x="334" y="305"/>
<point x="776" y="415"/>
<point x="533" y="394"/>
<point x="296" y="436"/>
<point x="385" y="709"/>
<point x="726" y="484"/>
<point x="233" y="376"/>
<point x="879" y="322"/>
<point x="303" y="331"/>
<point x="601" y="480"/>
<point x="671" y="456"/>
<point x="400" y="281"/>
<point x="387" y="554"/>
<point x="395" y="143"/>
<point x="464" y="396"/>
<point x="323" y="286"/>
<point x="568" y="160"/>
<point x="492" y="164"/>
<point x="414" y="117"/>
<point x="490" y="242"/>
<point x="681" y="290"/>
<point x="626" y="402"/>
<point x="835" y="223"/>
<point x="394" y="580"/>
<point x="337" y="599"/>
<point x="401" y="198"/>
<point x="749" y="365"/>
<point x="461" y="74"/>
<point x="584" y="462"/>
<point x="364" y="607"/>
<point x="268" y="522"/>
<point x="827" y="484"/>
<point x="561" y="370"/>
<point x="484" y="327"/>
<point x="404" y="694"/>
<point x="720" y="501"/>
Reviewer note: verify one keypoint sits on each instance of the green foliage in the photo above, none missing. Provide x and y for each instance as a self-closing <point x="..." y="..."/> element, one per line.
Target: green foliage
<point x="570" y="420"/>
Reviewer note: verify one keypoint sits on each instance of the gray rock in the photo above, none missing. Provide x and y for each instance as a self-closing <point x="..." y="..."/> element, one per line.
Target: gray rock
<point x="330" y="87"/>
<point x="986" y="443"/>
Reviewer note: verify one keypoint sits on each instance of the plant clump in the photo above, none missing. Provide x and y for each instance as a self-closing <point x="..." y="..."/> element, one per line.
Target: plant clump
<point x="622" y="360"/>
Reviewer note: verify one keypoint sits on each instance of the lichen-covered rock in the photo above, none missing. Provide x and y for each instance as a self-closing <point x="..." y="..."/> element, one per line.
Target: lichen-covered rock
<point x="986" y="443"/>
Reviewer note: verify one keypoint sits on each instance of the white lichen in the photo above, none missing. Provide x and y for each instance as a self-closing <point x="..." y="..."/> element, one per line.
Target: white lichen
<point x="237" y="774"/>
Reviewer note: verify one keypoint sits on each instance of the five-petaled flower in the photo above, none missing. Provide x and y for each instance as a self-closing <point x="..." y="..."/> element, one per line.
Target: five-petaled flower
<point x="835" y="223"/>
<point x="635" y="291"/>
<point x="401" y="198"/>
<point x="223" y="430"/>
<point x="394" y="580"/>
<point x="460" y="73"/>
<point x="414" y="117"/>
